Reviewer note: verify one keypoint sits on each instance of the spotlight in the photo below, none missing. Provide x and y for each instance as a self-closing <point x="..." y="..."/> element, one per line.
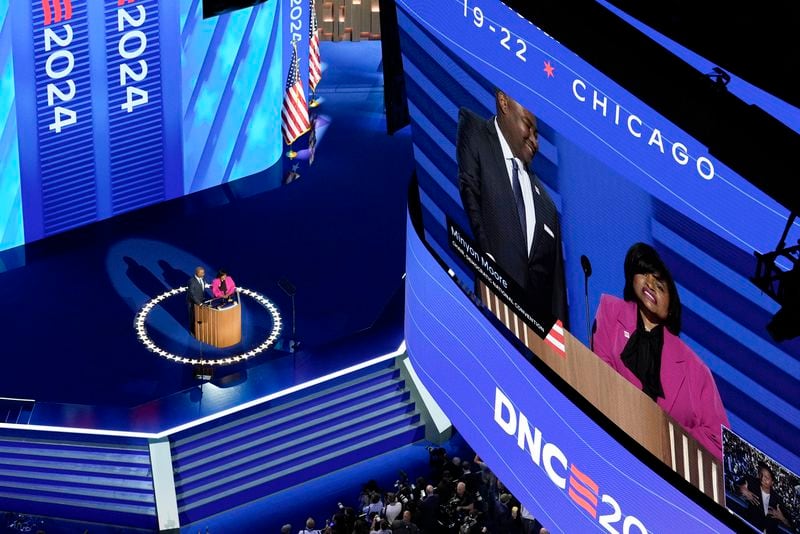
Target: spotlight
<point x="720" y="78"/>
<point x="783" y="286"/>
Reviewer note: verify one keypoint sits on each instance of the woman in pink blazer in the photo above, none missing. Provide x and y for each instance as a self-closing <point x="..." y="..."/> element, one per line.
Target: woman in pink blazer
<point x="638" y="337"/>
<point x="222" y="286"/>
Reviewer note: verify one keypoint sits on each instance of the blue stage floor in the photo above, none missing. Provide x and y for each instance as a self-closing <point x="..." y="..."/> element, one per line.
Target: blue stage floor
<point x="337" y="233"/>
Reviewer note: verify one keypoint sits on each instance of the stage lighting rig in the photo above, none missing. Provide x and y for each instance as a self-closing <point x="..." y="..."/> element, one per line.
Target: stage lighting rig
<point x="781" y="285"/>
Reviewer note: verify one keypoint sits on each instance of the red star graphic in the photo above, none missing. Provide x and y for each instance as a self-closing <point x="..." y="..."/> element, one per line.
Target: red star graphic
<point x="548" y="68"/>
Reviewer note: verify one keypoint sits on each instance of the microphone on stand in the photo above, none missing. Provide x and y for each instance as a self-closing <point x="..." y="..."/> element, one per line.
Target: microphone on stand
<point x="587" y="272"/>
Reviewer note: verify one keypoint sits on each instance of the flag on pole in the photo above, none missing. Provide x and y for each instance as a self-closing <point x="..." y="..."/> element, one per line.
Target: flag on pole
<point x="294" y="112"/>
<point x="312" y="139"/>
<point x="314" y="67"/>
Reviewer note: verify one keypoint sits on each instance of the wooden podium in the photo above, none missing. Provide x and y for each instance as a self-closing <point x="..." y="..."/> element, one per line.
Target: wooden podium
<point x="627" y="406"/>
<point x="219" y="326"/>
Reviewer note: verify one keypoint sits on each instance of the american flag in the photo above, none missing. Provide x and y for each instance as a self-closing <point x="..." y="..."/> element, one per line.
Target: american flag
<point x="295" y="110"/>
<point x="314" y="67"/>
<point x="555" y="338"/>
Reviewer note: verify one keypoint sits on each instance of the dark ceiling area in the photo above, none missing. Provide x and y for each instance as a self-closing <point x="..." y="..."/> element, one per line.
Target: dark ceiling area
<point x="757" y="42"/>
<point x="749" y="140"/>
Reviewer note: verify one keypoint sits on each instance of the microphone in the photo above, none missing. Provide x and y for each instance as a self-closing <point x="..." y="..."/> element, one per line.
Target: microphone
<point x="587" y="272"/>
<point x="587" y="266"/>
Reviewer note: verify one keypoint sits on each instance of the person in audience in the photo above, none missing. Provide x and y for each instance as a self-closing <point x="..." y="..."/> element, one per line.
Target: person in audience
<point x="420" y="482"/>
<point x="340" y="523"/>
<point x="445" y="486"/>
<point x="286" y="529"/>
<point x="404" y="526"/>
<point x="375" y="505"/>
<point x="438" y="461"/>
<point x="310" y="527"/>
<point x="638" y="337"/>
<point x="530" y="525"/>
<point x="222" y="286"/>
<point x="765" y="510"/>
<point x="462" y="500"/>
<point x="393" y="508"/>
<point x="428" y="510"/>
<point x="506" y="515"/>
<point x="367" y="490"/>
<point x="455" y="467"/>
<point x="483" y="468"/>
<point x="516" y="520"/>
<point x="471" y="478"/>
<point x="380" y="526"/>
<point x="361" y="526"/>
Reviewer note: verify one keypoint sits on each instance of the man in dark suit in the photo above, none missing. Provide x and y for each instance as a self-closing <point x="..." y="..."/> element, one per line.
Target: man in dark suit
<point x="511" y="215"/>
<point x="428" y="510"/>
<point x="195" y="294"/>
<point x="404" y="526"/>
<point x="764" y="510"/>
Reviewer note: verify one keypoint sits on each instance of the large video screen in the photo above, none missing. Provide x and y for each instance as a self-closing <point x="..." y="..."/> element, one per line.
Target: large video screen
<point x="602" y="240"/>
<point x="109" y="106"/>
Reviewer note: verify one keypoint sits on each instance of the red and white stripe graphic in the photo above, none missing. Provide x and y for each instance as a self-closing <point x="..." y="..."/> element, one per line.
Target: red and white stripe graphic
<point x="294" y="113"/>
<point x="555" y="338"/>
<point x="314" y="65"/>
<point x="57" y="12"/>
<point x="583" y="490"/>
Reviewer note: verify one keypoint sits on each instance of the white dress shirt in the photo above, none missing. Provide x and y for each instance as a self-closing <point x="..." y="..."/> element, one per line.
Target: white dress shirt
<point x="525" y="185"/>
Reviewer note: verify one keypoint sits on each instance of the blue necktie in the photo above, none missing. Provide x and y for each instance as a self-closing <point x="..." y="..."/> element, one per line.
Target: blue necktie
<point x="519" y="199"/>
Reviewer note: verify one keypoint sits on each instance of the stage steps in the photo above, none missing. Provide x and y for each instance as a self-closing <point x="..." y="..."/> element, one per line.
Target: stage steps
<point x="84" y="478"/>
<point x="16" y="411"/>
<point x="272" y="446"/>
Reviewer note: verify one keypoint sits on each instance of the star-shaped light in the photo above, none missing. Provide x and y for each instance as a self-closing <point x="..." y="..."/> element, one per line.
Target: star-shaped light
<point x="140" y="321"/>
<point x="549" y="69"/>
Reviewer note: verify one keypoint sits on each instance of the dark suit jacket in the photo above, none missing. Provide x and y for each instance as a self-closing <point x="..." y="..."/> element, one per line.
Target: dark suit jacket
<point x="489" y="202"/>
<point x="427" y="512"/>
<point x="196" y="293"/>
<point x="400" y="527"/>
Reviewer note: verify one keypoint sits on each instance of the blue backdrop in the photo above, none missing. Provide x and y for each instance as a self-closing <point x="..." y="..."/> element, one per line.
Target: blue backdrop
<point x="565" y="469"/>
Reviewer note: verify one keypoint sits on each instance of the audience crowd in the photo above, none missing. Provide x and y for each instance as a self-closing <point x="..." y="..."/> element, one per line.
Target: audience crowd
<point x="457" y="497"/>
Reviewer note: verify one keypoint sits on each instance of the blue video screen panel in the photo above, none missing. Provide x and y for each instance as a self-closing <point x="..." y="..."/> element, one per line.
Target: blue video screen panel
<point x="566" y="469"/>
<point x="110" y="106"/>
<point x="558" y="199"/>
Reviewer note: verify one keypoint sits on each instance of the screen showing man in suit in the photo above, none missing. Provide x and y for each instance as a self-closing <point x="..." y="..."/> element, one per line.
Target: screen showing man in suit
<point x="512" y="217"/>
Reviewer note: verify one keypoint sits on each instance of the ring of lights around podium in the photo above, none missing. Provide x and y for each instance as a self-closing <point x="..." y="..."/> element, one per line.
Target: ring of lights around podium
<point x="144" y="338"/>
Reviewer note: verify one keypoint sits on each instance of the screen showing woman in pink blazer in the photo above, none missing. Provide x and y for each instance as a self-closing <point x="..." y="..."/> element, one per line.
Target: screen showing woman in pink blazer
<point x="638" y="337"/>
<point x="222" y="286"/>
